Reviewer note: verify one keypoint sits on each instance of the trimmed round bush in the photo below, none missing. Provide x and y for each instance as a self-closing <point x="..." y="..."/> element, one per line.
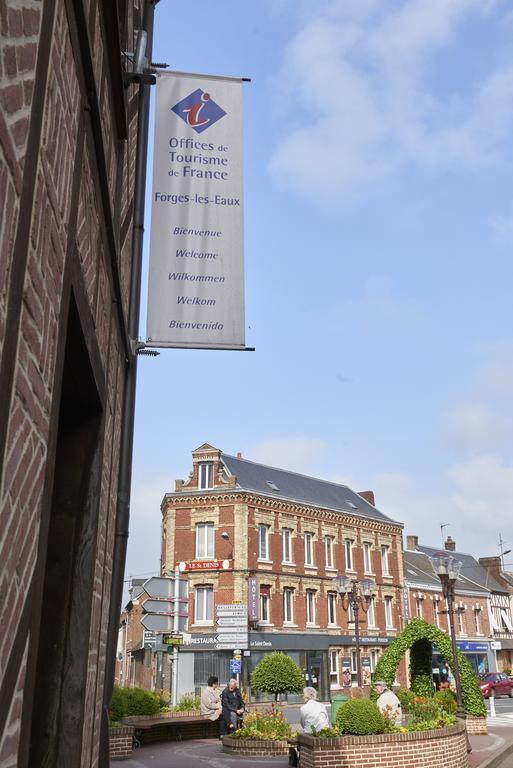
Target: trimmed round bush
<point x="277" y="673"/>
<point x="360" y="717"/>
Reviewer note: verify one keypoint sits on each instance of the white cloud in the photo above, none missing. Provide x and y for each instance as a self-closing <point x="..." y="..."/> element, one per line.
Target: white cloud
<point x="143" y="554"/>
<point x="476" y="428"/>
<point x="299" y="454"/>
<point x="483" y="490"/>
<point x="355" y="81"/>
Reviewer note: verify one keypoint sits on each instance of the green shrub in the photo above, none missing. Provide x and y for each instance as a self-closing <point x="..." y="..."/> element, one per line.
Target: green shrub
<point x="277" y="673"/>
<point x="326" y="733"/>
<point x="405" y="697"/>
<point x="422" y="709"/>
<point x="266" y="724"/>
<point x="187" y="702"/>
<point x="418" y="628"/>
<point x="447" y="700"/>
<point x="360" y="717"/>
<point x="117" y="707"/>
<point x="133" y="701"/>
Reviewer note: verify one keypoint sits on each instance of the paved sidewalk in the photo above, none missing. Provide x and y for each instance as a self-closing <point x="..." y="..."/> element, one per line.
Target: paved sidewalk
<point x="194" y="754"/>
<point x="487" y="749"/>
<point x="491" y="751"/>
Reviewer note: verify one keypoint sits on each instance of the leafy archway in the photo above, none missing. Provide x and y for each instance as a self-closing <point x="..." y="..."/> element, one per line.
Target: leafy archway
<point x="418" y="637"/>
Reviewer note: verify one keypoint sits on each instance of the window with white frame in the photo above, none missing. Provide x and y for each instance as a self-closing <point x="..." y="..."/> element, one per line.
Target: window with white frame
<point x="461" y="621"/>
<point x="265" y="604"/>
<point x="371" y="613"/>
<point x="350" y="613"/>
<point x="205" y="541"/>
<point x="418" y="607"/>
<point x="286" y="545"/>
<point x="263" y="542"/>
<point x="389" y="621"/>
<point x="334" y="667"/>
<point x="309" y="539"/>
<point x="328" y="551"/>
<point x="348" y="547"/>
<point x="477" y="619"/>
<point x="310" y="606"/>
<point x="206" y="474"/>
<point x="436" y="617"/>
<point x="288" y="606"/>
<point x="332" y="608"/>
<point x="204" y="605"/>
<point x="384" y="560"/>
<point x="367" y="558"/>
<point x="374" y="658"/>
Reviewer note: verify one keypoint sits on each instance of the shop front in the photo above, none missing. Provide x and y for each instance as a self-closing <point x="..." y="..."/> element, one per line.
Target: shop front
<point x="478" y="653"/>
<point x="320" y="657"/>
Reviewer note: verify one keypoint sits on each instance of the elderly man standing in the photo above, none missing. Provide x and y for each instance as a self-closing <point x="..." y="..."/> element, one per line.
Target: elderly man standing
<point x="388" y="703"/>
<point x="314" y="715"/>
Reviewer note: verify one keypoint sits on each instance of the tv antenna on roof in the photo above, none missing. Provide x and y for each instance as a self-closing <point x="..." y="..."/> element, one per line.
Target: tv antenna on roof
<point x="502" y="544"/>
<point x="442" y="526"/>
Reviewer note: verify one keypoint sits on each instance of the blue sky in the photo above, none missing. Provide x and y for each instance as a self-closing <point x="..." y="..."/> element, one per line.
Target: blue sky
<point x="378" y="238"/>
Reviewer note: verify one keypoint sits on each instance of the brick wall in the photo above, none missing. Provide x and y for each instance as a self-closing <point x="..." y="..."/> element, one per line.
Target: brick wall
<point x="55" y="224"/>
<point x="432" y="605"/>
<point x="428" y="749"/>
<point x="120" y="742"/>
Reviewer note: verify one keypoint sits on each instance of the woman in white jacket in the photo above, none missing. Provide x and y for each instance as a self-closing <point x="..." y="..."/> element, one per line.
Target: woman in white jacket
<point x="210" y="701"/>
<point x="314" y="715"/>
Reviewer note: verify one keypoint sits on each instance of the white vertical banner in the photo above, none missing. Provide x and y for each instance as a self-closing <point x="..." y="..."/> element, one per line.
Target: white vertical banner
<point x="196" y="273"/>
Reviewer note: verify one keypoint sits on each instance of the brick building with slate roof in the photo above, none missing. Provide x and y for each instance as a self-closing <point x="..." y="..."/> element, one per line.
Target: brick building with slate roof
<point x="476" y="596"/>
<point x="239" y="520"/>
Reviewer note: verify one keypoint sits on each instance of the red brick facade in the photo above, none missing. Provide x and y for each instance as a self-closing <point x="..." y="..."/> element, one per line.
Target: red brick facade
<point x="305" y="570"/>
<point x="67" y="144"/>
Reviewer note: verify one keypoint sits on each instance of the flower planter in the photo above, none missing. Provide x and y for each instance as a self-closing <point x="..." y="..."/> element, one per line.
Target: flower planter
<point x="441" y="748"/>
<point x="476" y="725"/>
<point x="254" y="747"/>
<point x="121" y="741"/>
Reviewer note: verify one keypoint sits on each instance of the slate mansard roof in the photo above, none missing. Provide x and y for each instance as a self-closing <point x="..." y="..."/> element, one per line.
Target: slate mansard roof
<point x="473" y="577"/>
<point x="291" y="486"/>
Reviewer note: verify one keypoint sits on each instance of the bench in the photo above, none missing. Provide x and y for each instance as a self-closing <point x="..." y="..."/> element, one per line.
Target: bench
<point x="170" y="727"/>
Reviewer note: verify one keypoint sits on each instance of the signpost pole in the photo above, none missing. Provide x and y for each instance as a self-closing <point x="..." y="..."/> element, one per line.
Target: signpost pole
<point x="174" y="697"/>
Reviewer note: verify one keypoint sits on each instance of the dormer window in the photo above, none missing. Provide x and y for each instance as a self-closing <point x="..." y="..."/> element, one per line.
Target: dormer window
<point x="206" y="474"/>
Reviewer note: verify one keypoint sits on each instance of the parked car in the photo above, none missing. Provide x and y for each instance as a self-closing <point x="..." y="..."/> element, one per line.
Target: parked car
<point x="496" y="684"/>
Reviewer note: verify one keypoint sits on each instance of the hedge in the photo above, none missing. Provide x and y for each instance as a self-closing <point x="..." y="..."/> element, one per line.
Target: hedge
<point x="415" y="637"/>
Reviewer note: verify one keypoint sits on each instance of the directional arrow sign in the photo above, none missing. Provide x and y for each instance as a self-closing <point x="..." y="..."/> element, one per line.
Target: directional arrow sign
<point x="232" y="621"/>
<point x="240" y="630"/>
<point x="232" y="607"/>
<point x="164" y="587"/>
<point x="158" y="606"/>
<point x="235" y="639"/>
<point x="157" y="623"/>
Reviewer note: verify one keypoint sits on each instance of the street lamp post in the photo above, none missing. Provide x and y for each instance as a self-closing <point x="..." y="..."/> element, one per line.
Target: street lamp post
<point x="447" y="568"/>
<point x="355" y="594"/>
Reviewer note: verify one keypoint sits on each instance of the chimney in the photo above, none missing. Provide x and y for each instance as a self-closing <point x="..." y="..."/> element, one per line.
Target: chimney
<point x="412" y="542"/>
<point x="368" y="496"/>
<point x="494" y="566"/>
<point x="450" y="544"/>
<point x="239" y="455"/>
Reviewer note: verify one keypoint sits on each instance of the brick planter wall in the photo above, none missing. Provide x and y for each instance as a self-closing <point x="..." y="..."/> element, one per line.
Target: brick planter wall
<point x="121" y="742"/>
<point x="164" y="716"/>
<point x="476" y="725"/>
<point x="443" y="748"/>
<point x="253" y="747"/>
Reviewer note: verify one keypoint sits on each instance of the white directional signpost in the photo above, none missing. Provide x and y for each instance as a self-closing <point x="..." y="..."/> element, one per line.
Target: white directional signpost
<point x="166" y="612"/>
<point x="231" y="626"/>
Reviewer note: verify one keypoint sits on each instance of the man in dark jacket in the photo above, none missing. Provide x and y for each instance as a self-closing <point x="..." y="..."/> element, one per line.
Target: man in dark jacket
<point x="233" y="706"/>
